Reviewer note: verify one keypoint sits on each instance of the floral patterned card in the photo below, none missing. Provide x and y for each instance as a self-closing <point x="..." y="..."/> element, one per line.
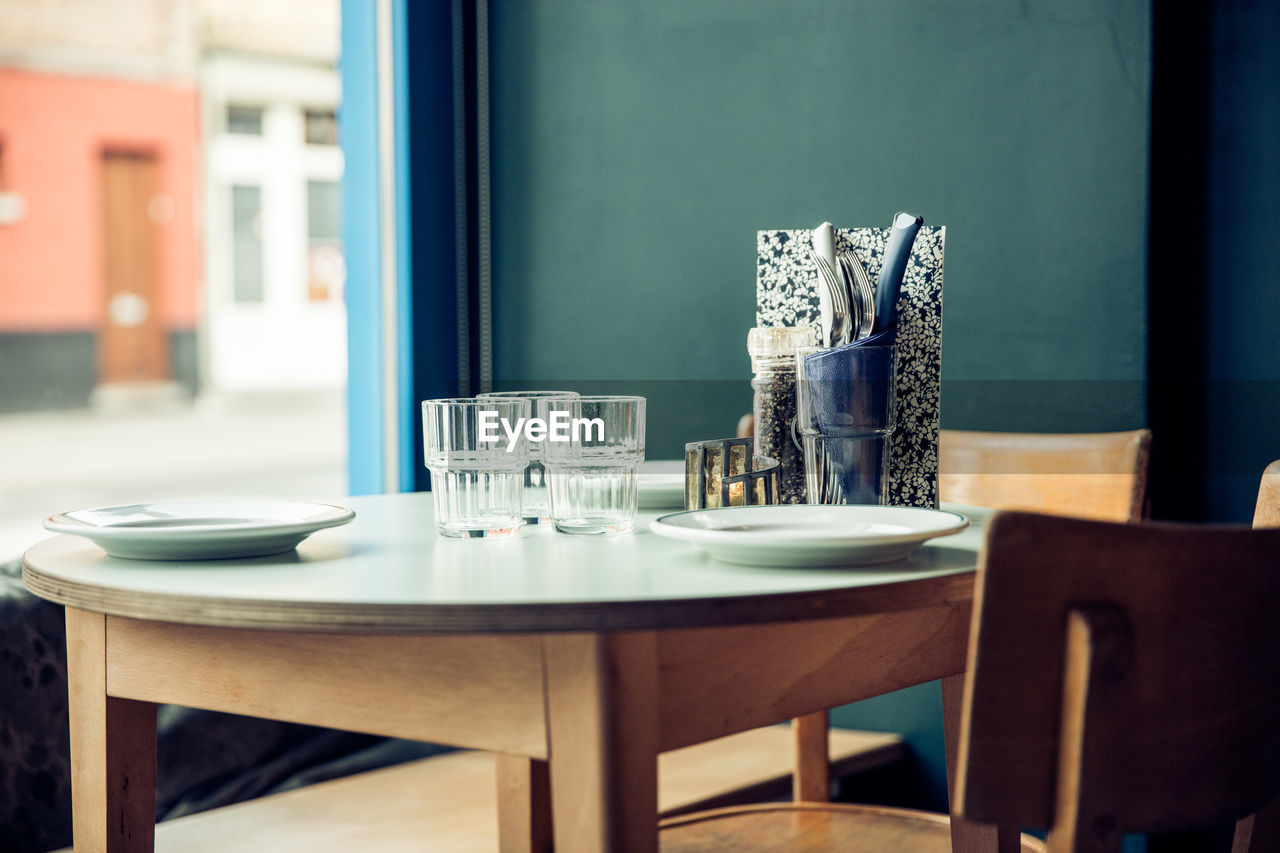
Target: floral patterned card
<point x="787" y="295"/>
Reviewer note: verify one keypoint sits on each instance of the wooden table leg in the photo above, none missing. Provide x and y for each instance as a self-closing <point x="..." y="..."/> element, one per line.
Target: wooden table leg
<point x="524" y="804"/>
<point x="968" y="836"/>
<point x="602" y="694"/>
<point x="113" y="749"/>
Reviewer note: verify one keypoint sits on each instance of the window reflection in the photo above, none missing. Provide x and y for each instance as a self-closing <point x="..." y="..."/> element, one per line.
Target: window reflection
<point x="322" y="127"/>
<point x="171" y="313"/>
<point x="326" y="267"/>
<point x="245" y="120"/>
<point x="246" y="237"/>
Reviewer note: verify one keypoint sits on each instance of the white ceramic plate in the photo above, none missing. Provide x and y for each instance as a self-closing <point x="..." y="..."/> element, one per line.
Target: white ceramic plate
<point x="661" y="491"/>
<point x="805" y="535"/>
<point x="199" y="530"/>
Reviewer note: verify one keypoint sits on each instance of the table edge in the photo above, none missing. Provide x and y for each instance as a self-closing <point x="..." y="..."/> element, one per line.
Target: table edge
<point x="506" y="618"/>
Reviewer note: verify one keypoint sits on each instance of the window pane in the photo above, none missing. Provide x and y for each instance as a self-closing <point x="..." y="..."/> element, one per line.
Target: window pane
<point x="189" y="162"/>
<point x="324" y="219"/>
<point x="326" y="266"/>
<point x="246" y="238"/>
<point x="322" y="127"/>
<point x="244" y="119"/>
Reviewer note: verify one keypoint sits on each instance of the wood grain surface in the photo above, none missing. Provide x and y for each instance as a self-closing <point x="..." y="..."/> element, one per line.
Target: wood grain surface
<point x="813" y="828"/>
<point x="716" y="681"/>
<point x="113" y="748"/>
<point x="1267" y="512"/>
<point x="1085" y="475"/>
<point x="602" y="693"/>
<point x="478" y="691"/>
<point x="1184" y="735"/>
<point x="452" y="799"/>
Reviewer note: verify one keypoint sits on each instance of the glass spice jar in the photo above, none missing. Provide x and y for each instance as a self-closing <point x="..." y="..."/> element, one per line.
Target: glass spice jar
<point x="773" y="361"/>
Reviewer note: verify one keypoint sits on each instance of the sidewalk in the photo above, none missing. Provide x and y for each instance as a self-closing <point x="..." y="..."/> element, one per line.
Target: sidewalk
<point x="57" y="461"/>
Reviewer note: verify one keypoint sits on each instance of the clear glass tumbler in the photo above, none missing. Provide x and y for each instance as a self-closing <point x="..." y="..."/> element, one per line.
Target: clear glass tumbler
<point x="537" y="502"/>
<point x="593" y="447"/>
<point x="845" y="399"/>
<point x="476" y="450"/>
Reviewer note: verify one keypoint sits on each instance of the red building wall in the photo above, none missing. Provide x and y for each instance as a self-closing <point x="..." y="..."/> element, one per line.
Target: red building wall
<point x="53" y="132"/>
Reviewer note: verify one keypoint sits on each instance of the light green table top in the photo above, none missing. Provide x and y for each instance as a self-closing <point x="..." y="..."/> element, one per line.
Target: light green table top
<point x="388" y="572"/>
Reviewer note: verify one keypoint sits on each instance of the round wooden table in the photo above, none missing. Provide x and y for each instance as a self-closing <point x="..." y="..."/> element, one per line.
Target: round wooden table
<point x="591" y="654"/>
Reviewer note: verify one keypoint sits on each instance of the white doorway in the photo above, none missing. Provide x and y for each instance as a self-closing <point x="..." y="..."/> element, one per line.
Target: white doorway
<point x="274" y="315"/>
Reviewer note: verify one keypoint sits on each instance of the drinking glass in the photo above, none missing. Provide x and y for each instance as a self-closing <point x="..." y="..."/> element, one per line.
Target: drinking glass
<point x="537" y="503"/>
<point x="845" y="415"/>
<point x="477" y="464"/>
<point x="591" y="453"/>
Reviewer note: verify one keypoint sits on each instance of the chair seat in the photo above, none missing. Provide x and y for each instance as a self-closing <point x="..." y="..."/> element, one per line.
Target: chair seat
<point x="826" y="827"/>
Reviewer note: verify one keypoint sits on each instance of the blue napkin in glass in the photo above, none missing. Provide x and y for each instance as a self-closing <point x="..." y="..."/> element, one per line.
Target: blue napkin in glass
<point x="849" y="398"/>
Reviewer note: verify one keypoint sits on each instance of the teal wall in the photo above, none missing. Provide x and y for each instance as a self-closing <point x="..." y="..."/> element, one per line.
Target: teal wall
<point x="1243" y="277"/>
<point x="637" y="148"/>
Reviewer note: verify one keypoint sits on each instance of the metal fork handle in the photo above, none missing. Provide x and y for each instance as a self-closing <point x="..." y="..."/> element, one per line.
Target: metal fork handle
<point x="838" y="294"/>
<point x="853" y="269"/>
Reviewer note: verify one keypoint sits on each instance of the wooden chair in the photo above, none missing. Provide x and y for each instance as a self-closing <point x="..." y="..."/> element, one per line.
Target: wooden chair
<point x="1089" y="475"/>
<point x="1121" y="679"/>
<point x="1263" y="830"/>
<point x="1267" y="513"/>
<point x="1100" y="475"/>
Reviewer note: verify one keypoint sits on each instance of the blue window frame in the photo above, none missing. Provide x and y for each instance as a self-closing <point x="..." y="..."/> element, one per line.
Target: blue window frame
<point x="398" y="121"/>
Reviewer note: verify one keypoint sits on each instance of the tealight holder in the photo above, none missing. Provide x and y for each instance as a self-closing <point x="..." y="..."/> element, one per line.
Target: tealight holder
<point x="726" y="472"/>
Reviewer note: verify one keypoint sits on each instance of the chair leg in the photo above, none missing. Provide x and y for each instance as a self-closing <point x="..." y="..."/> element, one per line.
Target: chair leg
<point x="811" y="781"/>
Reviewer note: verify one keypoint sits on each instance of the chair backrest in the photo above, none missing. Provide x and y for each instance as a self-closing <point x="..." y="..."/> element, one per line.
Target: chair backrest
<point x="1267" y="513"/>
<point x="1262" y="832"/>
<point x="1101" y="475"/>
<point x="1129" y="671"/>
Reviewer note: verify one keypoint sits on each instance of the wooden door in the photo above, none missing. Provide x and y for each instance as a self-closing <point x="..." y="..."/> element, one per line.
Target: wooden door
<point x="131" y="345"/>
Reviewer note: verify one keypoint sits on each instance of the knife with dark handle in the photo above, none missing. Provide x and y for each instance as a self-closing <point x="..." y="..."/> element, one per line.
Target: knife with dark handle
<point x="901" y="238"/>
